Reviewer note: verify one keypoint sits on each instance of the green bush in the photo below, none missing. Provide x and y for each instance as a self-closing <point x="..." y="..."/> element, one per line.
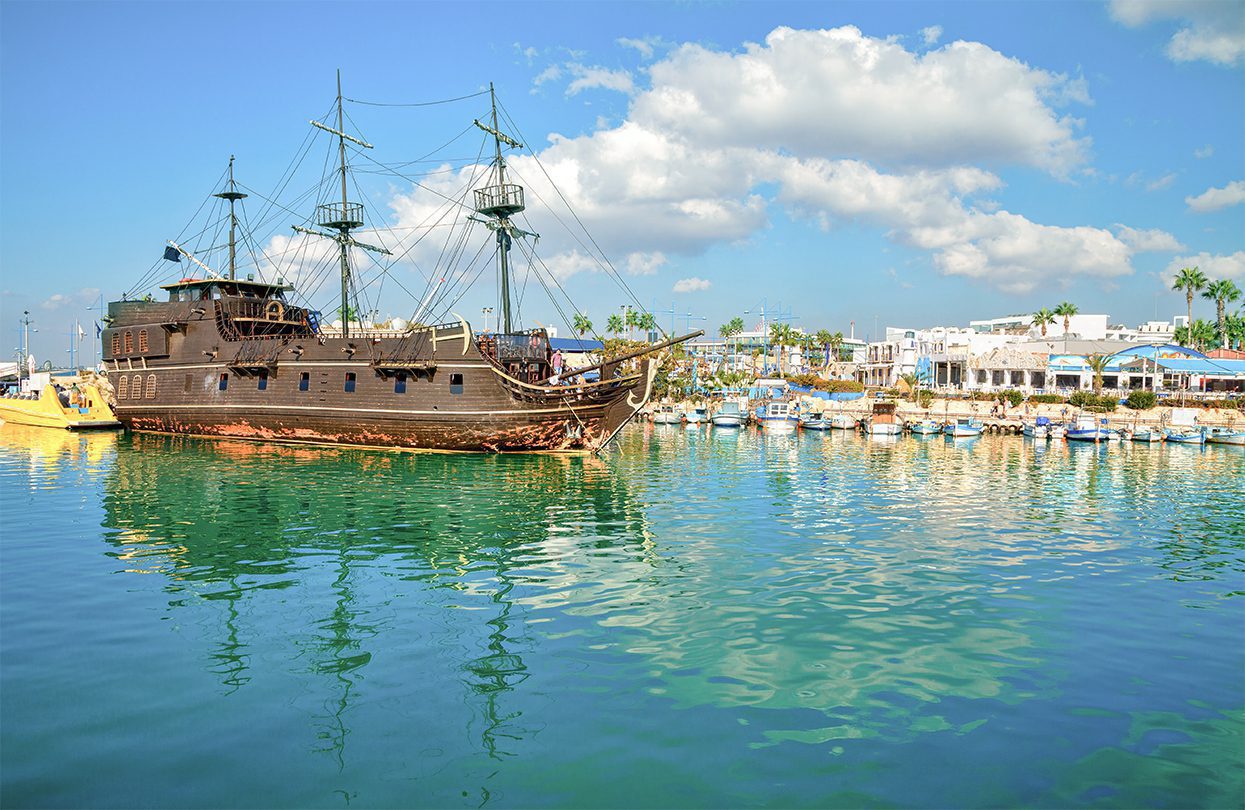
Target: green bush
<point x="1091" y="402"/>
<point x="1141" y="400"/>
<point x="1047" y="399"/>
<point x="842" y="386"/>
<point x="1013" y="397"/>
<point x="924" y="398"/>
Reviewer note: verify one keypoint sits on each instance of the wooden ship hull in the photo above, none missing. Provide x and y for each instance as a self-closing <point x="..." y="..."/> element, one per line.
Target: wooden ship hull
<point x="225" y="368"/>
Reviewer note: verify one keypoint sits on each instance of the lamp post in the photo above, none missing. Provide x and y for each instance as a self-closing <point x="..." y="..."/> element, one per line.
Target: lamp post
<point x="485" y="312"/>
<point x="98" y="308"/>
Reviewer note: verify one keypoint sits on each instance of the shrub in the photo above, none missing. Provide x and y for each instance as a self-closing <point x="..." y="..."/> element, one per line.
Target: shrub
<point x="1047" y="399"/>
<point x="924" y="398"/>
<point x="1141" y="400"/>
<point x="1090" y="402"/>
<point x="843" y="386"/>
<point x="1013" y="397"/>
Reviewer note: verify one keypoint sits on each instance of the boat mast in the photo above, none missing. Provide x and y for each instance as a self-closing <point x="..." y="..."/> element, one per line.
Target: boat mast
<point x="233" y="195"/>
<point x="344" y="217"/>
<point x="502" y="202"/>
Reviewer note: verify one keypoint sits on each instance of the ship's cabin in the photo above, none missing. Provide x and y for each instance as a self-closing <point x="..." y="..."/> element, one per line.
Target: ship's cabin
<point x="200" y="289"/>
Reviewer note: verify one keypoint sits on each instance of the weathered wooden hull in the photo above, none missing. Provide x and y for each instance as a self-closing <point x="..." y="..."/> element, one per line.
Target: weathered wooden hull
<point x="432" y="389"/>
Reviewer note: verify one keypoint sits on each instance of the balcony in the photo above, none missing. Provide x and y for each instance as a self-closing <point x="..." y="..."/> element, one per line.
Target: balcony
<point x="339" y="216"/>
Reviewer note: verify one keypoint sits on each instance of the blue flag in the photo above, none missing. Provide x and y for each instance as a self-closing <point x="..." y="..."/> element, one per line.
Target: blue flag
<point x="98" y="331"/>
<point x="171" y="254"/>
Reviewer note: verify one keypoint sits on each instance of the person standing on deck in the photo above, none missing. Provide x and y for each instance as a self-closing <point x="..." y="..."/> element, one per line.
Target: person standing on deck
<point x="556" y="362"/>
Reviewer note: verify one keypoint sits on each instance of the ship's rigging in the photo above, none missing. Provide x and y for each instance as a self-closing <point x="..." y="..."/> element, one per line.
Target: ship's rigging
<point x="345" y="241"/>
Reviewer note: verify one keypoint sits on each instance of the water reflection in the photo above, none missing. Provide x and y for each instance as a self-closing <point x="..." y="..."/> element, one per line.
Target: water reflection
<point x="224" y="522"/>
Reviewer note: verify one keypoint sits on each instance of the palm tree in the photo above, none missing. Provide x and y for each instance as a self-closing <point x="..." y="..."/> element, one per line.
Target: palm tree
<point x="1199" y="336"/>
<point x="615" y="325"/>
<point x="1066" y="310"/>
<point x="1235" y="326"/>
<point x="728" y="330"/>
<point x="646" y="323"/>
<point x="632" y="320"/>
<point x="581" y="323"/>
<point x="913" y="381"/>
<point x="1097" y="363"/>
<point x="1222" y="293"/>
<point x="1043" y="317"/>
<point x="780" y="336"/>
<point x="1189" y="279"/>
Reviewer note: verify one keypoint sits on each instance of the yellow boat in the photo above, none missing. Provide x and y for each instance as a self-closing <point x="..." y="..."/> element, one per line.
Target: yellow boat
<point x="86" y="409"/>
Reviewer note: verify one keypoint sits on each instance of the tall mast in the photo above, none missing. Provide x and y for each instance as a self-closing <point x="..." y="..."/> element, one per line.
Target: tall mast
<point x="501" y="201"/>
<point x="233" y="195"/>
<point x="344" y="217"/>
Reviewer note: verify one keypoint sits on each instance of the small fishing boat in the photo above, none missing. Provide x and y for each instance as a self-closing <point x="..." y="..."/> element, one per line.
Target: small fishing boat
<point x="963" y="427"/>
<point x="776" y="417"/>
<point x="1038" y="429"/>
<point x="1224" y="435"/>
<point x="925" y="427"/>
<point x="1185" y="435"/>
<point x="814" y="421"/>
<point x="1145" y="434"/>
<point x="667" y="414"/>
<point x="1057" y="430"/>
<point x="842" y="421"/>
<point x="884" y="421"/>
<point x="82" y="407"/>
<point x="1089" y="429"/>
<point x="696" y="415"/>
<point x="728" y="414"/>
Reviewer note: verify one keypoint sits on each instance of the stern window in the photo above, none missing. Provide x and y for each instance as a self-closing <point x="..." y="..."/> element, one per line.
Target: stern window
<point x="116" y="343"/>
<point x="304" y="381"/>
<point x="399" y="383"/>
<point x="137" y="385"/>
<point x="142" y="340"/>
<point x="123" y="387"/>
<point x="456" y="383"/>
<point x="224" y="381"/>
<point x="350" y="381"/>
<point x="151" y="386"/>
<point x="129" y="342"/>
<point x="262" y="384"/>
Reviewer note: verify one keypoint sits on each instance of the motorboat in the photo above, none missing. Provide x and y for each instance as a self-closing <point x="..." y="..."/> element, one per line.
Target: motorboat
<point x="1037" y="429"/>
<point x="776" y="417"/>
<point x="696" y="415"/>
<point x="1089" y="429"/>
<point x="926" y="427"/>
<point x="884" y="421"/>
<point x="842" y="421"/>
<point x="963" y="427"/>
<point x="667" y="414"/>
<point x="1185" y="435"/>
<point x="728" y="414"/>
<point x="1225" y="435"/>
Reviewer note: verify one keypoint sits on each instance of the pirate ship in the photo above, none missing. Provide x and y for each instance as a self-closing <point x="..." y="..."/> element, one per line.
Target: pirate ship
<point x="252" y="359"/>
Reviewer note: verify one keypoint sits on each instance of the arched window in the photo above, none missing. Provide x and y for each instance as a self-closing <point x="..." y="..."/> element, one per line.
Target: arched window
<point x="116" y="343"/>
<point x="129" y="341"/>
<point x="142" y="340"/>
<point x="151" y="383"/>
<point x="123" y="387"/>
<point x="137" y="385"/>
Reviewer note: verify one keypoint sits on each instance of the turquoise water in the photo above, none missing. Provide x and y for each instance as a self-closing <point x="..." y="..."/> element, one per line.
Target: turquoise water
<point x="695" y="619"/>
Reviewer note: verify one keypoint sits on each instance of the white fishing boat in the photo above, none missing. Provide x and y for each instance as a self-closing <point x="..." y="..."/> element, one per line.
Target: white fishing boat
<point x="1185" y="435"/>
<point x="926" y="427"/>
<point x="1224" y="435"/>
<point x="667" y="414"/>
<point x="728" y="414"/>
<point x="884" y="421"/>
<point x="963" y="427"/>
<point x="1089" y="429"/>
<point x="696" y="415"/>
<point x="776" y="417"/>
<point x="842" y="421"/>
<point x="1037" y="429"/>
<point x="1146" y="435"/>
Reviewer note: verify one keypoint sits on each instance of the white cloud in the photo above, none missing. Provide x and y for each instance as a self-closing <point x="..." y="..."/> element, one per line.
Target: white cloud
<point x="692" y="284"/>
<point x="75" y="300"/>
<point x="1215" y="267"/>
<point x="1204" y="152"/>
<point x="1213" y="30"/>
<point x="931" y="34"/>
<point x="549" y="74"/>
<point x="645" y="46"/>
<point x="1163" y="182"/>
<point x="645" y="264"/>
<point x="1147" y="240"/>
<point x="587" y="78"/>
<point x="840" y="92"/>
<point x="1214" y="199"/>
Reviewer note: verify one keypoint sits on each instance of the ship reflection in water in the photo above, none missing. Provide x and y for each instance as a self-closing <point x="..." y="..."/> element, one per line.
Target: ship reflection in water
<point x="702" y="618"/>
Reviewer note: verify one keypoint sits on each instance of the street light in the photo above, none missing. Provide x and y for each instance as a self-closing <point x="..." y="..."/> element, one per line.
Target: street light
<point x="485" y="312"/>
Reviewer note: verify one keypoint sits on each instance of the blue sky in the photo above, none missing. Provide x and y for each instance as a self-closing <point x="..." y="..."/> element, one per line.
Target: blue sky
<point x="905" y="163"/>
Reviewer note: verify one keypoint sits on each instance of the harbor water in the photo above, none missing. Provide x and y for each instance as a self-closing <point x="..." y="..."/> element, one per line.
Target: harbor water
<point x="697" y="618"/>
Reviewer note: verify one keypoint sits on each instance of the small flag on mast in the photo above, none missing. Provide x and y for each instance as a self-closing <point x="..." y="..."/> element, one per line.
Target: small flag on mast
<point x="171" y="254"/>
<point x="81" y="334"/>
<point x="98" y="331"/>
